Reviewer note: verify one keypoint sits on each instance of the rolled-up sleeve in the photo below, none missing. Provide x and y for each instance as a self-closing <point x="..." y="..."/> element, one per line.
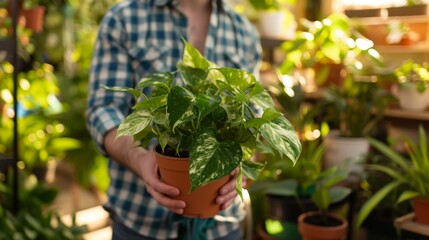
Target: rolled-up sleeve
<point x="110" y="66"/>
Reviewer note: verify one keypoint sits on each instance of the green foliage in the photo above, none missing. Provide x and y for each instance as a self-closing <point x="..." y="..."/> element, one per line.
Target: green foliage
<point x="334" y="40"/>
<point x="355" y="108"/>
<point x="33" y="222"/>
<point x="409" y="172"/>
<point x="412" y="72"/>
<point x="40" y="131"/>
<point x="215" y="116"/>
<point x="261" y="5"/>
<point x="307" y="178"/>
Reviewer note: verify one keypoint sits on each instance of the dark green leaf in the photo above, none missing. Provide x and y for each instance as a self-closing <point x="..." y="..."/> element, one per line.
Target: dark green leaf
<point x="193" y="77"/>
<point x="206" y="104"/>
<point x="287" y="187"/>
<point x="179" y="106"/>
<point x="321" y="198"/>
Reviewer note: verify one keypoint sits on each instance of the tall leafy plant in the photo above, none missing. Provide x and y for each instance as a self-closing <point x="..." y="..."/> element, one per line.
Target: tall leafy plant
<point x="355" y="108"/>
<point x="408" y="172"/>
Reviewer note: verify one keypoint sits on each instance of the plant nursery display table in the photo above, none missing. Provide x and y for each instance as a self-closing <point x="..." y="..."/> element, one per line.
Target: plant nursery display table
<point x="410" y="228"/>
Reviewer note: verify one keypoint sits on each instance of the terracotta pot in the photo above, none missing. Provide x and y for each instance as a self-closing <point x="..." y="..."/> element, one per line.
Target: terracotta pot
<point x="34" y="18"/>
<point x="316" y="232"/>
<point x="334" y="74"/>
<point x="201" y="202"/>
<point x="421" y="210"/>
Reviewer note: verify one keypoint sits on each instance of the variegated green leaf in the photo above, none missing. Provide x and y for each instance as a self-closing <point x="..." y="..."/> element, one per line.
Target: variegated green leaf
<point x="256" y="89"/>
<point x="152" y="103"/>
<point x="237" y="78"/>
<point x="252" y="169"/>
<point x="247" y="143"/>
<point x="211" y="160"/>
<point x="263" y="100"/>
<point x="206" y="104"/>
<point x="280" y="134"/>
<point x="134" y="123"/>
<point x="193" y="58"/>
<point x="164" y="80"/>
<point x="179" y="105"/>
<point x="133" y="91"/>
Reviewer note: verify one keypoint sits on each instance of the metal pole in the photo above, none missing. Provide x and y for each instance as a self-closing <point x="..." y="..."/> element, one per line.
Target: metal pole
<point x="15" y="104"/>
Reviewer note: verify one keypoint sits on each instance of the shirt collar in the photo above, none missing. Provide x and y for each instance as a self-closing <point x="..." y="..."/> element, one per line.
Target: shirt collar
<point x="174" y="2"/>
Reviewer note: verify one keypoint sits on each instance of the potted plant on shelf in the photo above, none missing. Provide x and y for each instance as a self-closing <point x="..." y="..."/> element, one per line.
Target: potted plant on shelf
<point x="288" y="188"/>
<point x="353" y="112"/>
<point x="326" y="49"/>
<point x="275" y="17"/>
<point x="409" y="172"/>
<point x="34" y="14"/>
<point x="213" y="122"/>
<point x="324" y="224"/>
<point x="412" y="82"/>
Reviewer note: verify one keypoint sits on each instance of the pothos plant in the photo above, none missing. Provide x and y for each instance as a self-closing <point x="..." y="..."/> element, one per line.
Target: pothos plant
<point x="215" y="117"/>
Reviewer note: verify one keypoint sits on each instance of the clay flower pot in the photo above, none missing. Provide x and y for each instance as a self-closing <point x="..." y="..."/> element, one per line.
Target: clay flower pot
<point x="309" y="231"/>
<point x="34" y="18"/>
<point x="421" y="210"/>
<point x="201" y="202"/>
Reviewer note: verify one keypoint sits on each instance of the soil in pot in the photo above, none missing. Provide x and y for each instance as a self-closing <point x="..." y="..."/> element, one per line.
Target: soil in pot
<point x="201" y="202"/>
<point x="321" y="221"/>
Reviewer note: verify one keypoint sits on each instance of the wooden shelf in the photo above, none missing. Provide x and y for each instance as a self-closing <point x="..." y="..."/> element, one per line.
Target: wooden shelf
<point x="268" y="42"/>
<point x="409" y="115"/>
<point x="408" y="223"/>
<point x="385" y="20"/>
<point x="416" y="48"/>
<point x="393" y="112"/>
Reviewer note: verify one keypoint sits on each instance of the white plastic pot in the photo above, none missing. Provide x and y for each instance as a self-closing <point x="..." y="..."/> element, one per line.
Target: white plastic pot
<point x="345" y="151"/>
<point x="409" y="98"/>
<point x="272" y="24"/>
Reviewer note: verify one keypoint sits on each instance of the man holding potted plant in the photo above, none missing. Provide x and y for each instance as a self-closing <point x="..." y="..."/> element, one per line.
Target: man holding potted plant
<point x="136" y="39"/>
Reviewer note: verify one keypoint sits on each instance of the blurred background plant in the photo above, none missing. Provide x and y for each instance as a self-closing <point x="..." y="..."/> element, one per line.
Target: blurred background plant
<point x="41" y="133"/>
<point x="34" y="221"/>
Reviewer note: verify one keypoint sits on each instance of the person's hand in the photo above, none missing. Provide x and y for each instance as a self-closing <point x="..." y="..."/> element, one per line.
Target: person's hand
<point x="227" y="192"/>
<point x="160" y="191"/>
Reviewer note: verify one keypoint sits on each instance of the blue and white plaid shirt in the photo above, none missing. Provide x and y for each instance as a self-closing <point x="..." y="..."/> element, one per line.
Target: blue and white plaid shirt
<point x="137" y="38"/>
